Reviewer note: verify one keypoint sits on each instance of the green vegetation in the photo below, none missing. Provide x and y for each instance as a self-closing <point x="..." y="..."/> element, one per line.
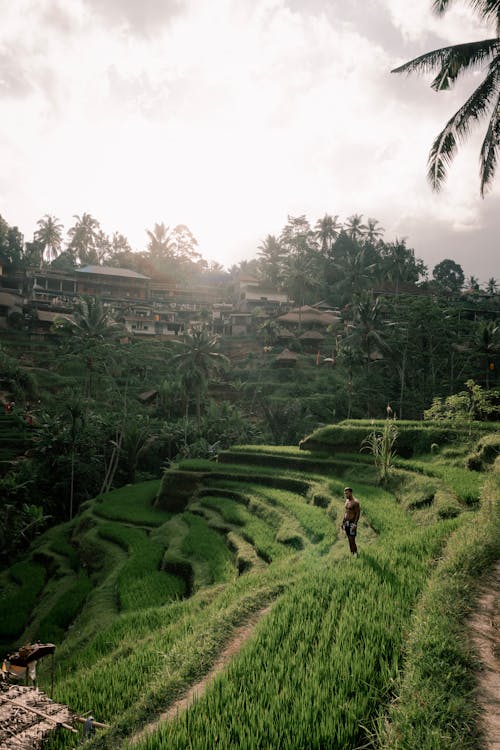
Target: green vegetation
<point x="356" y="651"/>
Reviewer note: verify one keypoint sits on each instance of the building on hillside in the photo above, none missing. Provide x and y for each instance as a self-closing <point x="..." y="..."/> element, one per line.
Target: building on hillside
<point x="284" y="335"/>
<point x="286" y="358"/>
<point x="310" y="317"/>
<point x="149" y="320"/>
<point x="240" y="324"/>
<point x="252" y="294"/>
<point x="311" y="339"/>
<point x="112" y="283"/>
<point x="221" y="317"/>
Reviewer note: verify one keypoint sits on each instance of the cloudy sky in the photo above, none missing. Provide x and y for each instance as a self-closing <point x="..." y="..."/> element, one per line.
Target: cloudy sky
<point x="229" y="115"/>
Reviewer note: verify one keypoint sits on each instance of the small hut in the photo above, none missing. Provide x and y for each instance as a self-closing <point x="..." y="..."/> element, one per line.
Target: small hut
<point x="312" y="339"/>
<point x="286" y="358"/>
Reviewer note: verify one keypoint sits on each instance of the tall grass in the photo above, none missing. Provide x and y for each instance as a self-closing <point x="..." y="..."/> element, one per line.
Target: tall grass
<point x="436" y="709"/>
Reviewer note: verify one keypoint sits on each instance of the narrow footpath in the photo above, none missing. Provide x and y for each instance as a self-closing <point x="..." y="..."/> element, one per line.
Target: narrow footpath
<point x="485" y="634"/>
<point x="240" y="637"/>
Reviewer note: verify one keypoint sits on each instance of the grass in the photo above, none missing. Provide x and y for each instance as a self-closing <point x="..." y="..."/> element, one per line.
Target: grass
<point x="133" y="504"/>
<point x="21" y="587"/>
<point x="141" y="583"/>
<point x="434" y="709"/>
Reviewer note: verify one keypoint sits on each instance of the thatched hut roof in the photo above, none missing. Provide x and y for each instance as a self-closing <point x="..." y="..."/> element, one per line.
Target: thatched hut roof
<point x="307" y="315"/>
<point x="284" y="333"/>
<point x="312" y="336"/>
<point x="286" y="358"/>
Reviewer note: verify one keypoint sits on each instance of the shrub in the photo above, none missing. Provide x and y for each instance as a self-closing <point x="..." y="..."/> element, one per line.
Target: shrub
<point x="487" y="450"/>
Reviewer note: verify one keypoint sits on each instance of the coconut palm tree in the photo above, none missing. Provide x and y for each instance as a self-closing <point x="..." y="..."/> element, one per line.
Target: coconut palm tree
<point x="326" y="232"/>
<point x="271" y="256"/>
<point x="492" y="286"/>
<point x="487" y="343"/>
<point x="49" y="235"/>
<point x="160" y="245"/>
<point x="89" y="333"/>
<point x="484" y="103"/>
<point x="374" y="232"/>
<point x="83" y="238"/>
<point x="196" y="360"/>
<point x="354" y="227"/>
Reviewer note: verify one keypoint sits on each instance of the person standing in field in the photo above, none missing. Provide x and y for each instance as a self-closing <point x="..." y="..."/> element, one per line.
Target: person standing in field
<point x="351" y="518"/>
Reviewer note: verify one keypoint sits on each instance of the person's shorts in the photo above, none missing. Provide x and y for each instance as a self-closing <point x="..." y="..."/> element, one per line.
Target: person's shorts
<point x="350" y="529"/>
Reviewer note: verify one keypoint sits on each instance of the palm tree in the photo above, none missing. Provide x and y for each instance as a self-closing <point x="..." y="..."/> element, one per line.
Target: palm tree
<point x="160" y="245"/>
<point x="451" y="62"/>
<point x="271" y="256"/>
<point x="354" y="227"/>
<point x="473" y="283"/>
<point x="301" y="276"/>
<point x="354" y="272"/>
<point x="196" y="360"/>
<point x="487" y="344"/>
<point x="326" y="232"/>
<point x="89" y="333"/>
<point x="399" y="264"/>
<point x="373" y="232"/>
<point x="83" y="238"/>
<point x="491" y="286"/>
<point x="49" y="235"/>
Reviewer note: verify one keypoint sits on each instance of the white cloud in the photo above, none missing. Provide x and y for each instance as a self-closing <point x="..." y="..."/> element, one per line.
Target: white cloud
<point x="228" y="118"/>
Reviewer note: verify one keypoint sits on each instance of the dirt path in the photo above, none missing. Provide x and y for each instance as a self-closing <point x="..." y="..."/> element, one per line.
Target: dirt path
<point x="240" y="636"/>
<point x="485" y="632"/>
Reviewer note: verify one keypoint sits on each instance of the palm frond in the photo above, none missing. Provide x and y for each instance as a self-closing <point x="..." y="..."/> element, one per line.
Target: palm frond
<point x="489" y="150"/>
<point x="487" y="9"/>
<point x="452" y="61"/>
<point x="458" y="127"/>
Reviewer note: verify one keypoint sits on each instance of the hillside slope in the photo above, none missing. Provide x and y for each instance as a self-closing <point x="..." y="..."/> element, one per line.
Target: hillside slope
<point x="142" y="600"/>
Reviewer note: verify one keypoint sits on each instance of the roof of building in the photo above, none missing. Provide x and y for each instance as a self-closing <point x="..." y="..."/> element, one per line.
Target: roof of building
<point x="307" y="314"/>
<point x="286" y="354"/>
<point x="284" y="333"/>
<point x="312" y="336"/>
<point x="108" y="271"/>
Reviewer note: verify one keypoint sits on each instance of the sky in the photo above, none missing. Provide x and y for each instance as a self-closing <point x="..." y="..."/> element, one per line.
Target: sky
<point x="230" y="115"/>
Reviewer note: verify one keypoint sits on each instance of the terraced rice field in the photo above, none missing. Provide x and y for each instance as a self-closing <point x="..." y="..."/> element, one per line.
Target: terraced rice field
<point x="157" y="595"/>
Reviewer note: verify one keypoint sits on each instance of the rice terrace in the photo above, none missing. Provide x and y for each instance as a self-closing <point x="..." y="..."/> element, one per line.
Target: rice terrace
<point x="155" y="578"/>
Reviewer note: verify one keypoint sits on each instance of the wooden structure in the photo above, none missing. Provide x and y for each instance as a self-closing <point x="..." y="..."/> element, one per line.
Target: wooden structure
<point x="27" y="716"/>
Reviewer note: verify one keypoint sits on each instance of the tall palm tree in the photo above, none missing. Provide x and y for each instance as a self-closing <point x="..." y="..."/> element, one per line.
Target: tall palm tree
<point x="49" y="235"/>
<point x="301" y="276"/>
<point x="484" y="103"/>
<point x="354" y="227"/>
<point x="399" y="264"/>
<point x="326" y="232"/>
<point x="487" y="344"/>
<point x="83" y="237"/>
<point x="354" y="273"/>
<point x="472" y="283"/>
<point x="89" y="333"/>
<point x="271" y="256"/>
<point x="374" y="232"/>
<point x="492" y="286"/>
<point x="196" y="360"/>
<point x="160" y="245"/>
